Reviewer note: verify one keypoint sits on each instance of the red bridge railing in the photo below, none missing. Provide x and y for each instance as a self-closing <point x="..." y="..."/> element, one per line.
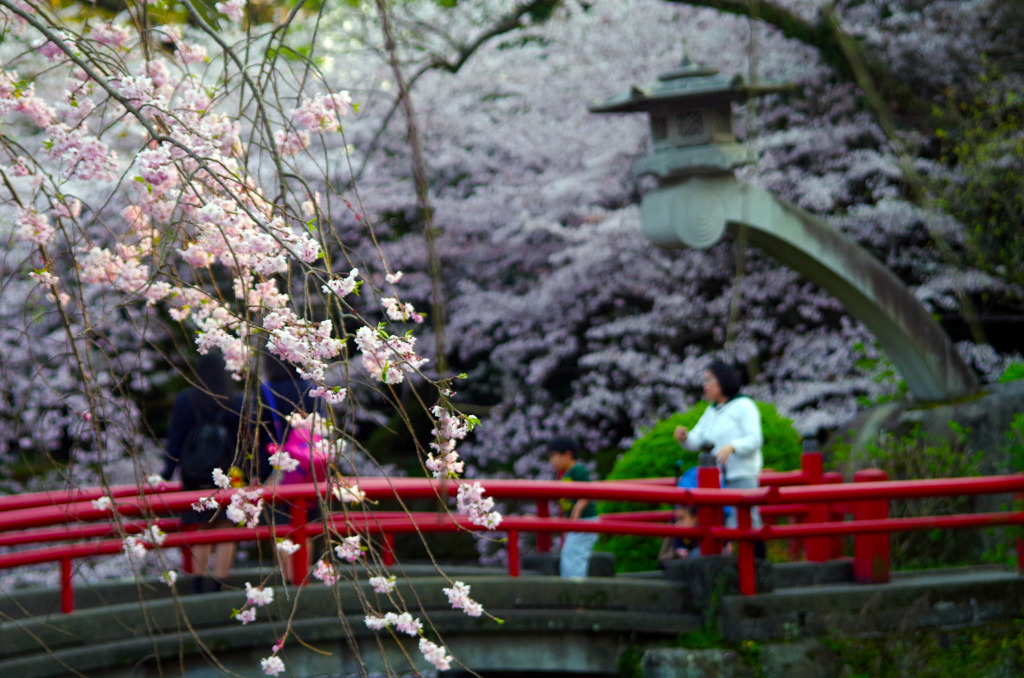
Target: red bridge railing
<point x="819" y="508"/>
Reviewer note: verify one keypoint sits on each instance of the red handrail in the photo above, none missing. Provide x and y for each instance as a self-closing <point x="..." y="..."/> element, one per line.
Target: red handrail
<point x="820" y="506"/>
<point x="11" y="502"/>
<point x="68" y="532"/>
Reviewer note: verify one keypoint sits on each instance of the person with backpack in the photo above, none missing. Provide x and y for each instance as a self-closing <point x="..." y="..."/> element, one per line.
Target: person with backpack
<point x="202" y="436"/>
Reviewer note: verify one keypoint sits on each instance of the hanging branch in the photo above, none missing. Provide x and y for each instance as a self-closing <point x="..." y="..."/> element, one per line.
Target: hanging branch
<point x="505" y="24"/>
<point x="419" y="175"/>
<point x="828" y="38"/>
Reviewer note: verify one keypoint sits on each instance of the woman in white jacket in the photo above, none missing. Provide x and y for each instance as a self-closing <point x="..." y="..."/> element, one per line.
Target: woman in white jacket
<point x="732" y="426"/>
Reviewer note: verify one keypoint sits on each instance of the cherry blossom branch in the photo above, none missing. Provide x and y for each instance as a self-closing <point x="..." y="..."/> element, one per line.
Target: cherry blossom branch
<point x="257" y="97"/>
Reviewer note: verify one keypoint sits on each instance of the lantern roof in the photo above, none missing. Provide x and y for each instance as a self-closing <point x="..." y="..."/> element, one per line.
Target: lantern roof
<point x="687" y="85"/>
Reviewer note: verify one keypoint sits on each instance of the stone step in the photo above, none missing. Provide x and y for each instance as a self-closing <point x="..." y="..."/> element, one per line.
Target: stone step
<point x="929" y="599"/>
<point x="169" y="615"/>
<point x="40" y="601"/>
<point x="528" y="640"/>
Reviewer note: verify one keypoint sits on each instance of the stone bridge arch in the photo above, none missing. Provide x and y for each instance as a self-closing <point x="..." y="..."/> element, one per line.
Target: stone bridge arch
<point x="697" y="211"/>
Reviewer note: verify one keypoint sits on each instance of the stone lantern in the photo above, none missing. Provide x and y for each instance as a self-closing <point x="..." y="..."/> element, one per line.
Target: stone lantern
<point x="690" y="109"/>
<point x="699" y="199"/>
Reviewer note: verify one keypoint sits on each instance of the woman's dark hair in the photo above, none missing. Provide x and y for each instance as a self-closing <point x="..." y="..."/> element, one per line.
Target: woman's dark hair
<point x="727" y="378"/>
<point x="276" y="370"/>
<point x="212" y="381"/>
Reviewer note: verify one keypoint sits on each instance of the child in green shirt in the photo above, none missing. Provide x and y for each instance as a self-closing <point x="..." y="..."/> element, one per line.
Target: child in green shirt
<point x="574" y="560"/>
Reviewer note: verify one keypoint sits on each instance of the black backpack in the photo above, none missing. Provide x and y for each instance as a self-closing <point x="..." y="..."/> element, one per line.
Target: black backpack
<point x="207" y="447"/>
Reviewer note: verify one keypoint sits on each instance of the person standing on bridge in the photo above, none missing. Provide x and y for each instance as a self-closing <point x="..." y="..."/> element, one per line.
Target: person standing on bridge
<point x="574" y="560"/>
<point x="202" y="436"/>
<point x="283" y="395"/>
<point x="732" y="426"/>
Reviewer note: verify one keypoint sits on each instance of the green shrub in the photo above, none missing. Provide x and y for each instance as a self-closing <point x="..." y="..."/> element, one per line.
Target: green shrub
<point x="655" y="455"/>
<point x="1015" y="443"/>
<point x="1013" y="372"/>
<point x="916" y="455"/>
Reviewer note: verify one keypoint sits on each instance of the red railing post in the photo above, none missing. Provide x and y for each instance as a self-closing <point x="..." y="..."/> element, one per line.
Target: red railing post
<point x="300" y="559"/>
<point x="835" y="544"/>
<point x="747" y="567"/>
<point x="871" y="551"/>
<point x="187" y="566"/>
<point x="388" y="556"/>
<point x="513" y="553"/>
<point x="67" y="591"/>
<point x="543" y="538"/>
<point x="709" y="516"/>
<point x="816" y="549"/>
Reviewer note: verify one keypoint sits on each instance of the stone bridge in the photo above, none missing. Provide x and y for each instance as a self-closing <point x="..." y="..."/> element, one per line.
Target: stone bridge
<point x="550" y="625"/>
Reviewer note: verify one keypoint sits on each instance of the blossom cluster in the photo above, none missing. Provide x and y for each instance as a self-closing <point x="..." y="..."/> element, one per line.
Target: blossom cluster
<point x="350" y="549"/>
<point x="444" y="462"/>
<point x="458" y="597"/>
<point x="403" y="623"/>
<point x="320" y="113"/>
<point x="255" y="596"/>
<point x="326" y="572"/>
<point x="246" y="507"/>
<point x="472" y="502"/>
<point x="388" y="358"/>
<point x="409" y="625"/>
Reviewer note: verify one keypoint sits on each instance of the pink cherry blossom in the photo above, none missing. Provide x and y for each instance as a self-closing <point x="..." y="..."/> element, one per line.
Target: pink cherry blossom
<point x="33" y="227"/>
<point x="283" y="462"/>
<point x="471" y="502"/>
<point x="320" y="114"/>
<point x="233" y="9"/>
<point x="405" y="623"/>
<point x="290" y="143"/>
<point x="458" y="598"/>
<point x="109" y="34"/>
<point x="258" y="596"/>
<point x="435" y="654"/>
<point x="272" y="666"/>
<point x="350" y="549"/>
<point x="376" y="623"/>
<point x="221" y="479"/>
<point x="287" y="547"/>
<point x="325" y="572"/>
<point x="134" y="549"/>
<point x="383" y="584"/>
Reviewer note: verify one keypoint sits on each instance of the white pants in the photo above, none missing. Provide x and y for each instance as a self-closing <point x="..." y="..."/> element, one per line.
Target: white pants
<point x="574" y="559"/>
